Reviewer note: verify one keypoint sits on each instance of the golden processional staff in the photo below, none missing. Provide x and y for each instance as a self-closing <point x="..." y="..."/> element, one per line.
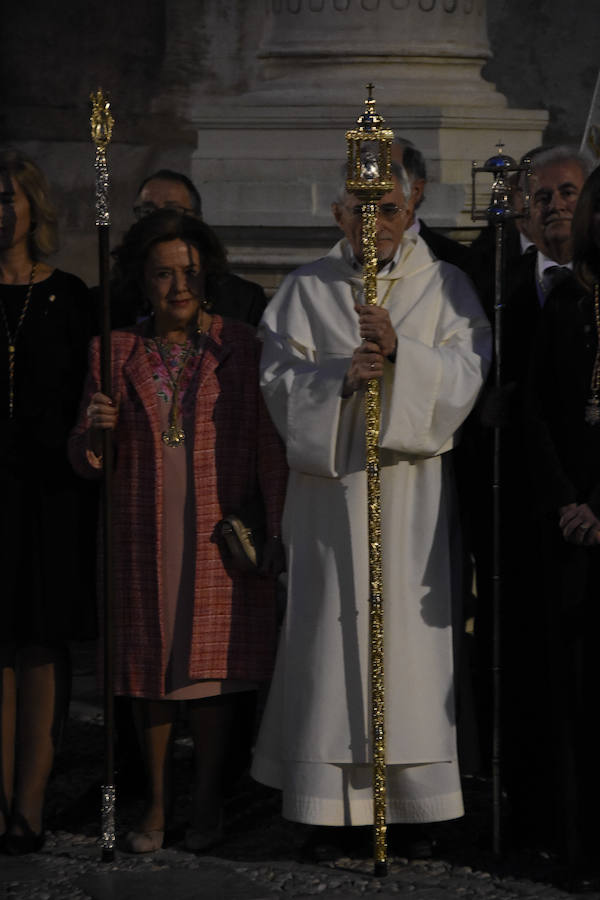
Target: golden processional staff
<point x="497" y="213"/>
<point x="369" y="178"/>
<point x="102" y="124"/>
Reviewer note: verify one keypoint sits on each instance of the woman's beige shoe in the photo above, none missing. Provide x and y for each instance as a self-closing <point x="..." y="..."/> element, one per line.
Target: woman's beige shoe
<point x="144" y="841"/>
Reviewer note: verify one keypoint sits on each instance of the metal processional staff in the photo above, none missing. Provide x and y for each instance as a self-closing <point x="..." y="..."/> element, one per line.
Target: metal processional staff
<point x="369" y="178"/>
<point x="499" y="211"/>
<point x="102" y="124"/>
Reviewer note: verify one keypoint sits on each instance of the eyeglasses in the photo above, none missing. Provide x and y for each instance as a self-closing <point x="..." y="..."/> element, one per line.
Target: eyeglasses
<point x="544" y="197"/>
<point x="387" y="211"/>
<point x="146" y="209"/>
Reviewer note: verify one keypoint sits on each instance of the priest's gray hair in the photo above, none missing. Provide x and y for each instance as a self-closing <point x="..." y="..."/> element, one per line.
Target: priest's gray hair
<point x="398" y="171"/>
<point x="413" y="161"/>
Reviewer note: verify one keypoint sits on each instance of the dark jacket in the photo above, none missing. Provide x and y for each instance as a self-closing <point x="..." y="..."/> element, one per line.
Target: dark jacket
<point x="445" y="248"/>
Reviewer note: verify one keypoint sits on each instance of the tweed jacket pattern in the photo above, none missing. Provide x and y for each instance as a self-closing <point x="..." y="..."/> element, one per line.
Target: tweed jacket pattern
<point x="235" y="451"/>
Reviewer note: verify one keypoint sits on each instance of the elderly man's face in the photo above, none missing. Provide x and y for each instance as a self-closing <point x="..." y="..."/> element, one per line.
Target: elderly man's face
<point x="555" y="191"/>
<point x="395" y="214"/>
<point x="163" y="193"/>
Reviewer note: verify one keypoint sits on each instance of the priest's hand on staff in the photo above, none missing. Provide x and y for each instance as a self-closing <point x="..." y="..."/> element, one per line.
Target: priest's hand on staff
<point x="102" y="414"/>
<point x="366" y="363"/>
<point x="579" y="525"/>
<point x="375" y="326"/>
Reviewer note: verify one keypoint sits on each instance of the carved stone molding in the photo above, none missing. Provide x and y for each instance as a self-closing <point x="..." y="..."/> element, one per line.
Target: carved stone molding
<point x="297" y="6"/>
<point x="428" y="51"/>
<point x="377" y="27"/>
<point x="269" y="154"/>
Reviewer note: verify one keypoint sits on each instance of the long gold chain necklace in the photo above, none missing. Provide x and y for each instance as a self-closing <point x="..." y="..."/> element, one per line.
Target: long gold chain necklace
<point x="592" y="409"/>
<point x="12" y="342"/>
<point x="174" y="436"/>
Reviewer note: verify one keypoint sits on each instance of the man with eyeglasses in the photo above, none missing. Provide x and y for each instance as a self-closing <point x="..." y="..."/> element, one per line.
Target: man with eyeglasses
<point x="428" y="343"/>
<point x="167" y="189"/>
<point x="558" y="176"/>
<point x="230" y="295"/>
<point x="442" y="247"/>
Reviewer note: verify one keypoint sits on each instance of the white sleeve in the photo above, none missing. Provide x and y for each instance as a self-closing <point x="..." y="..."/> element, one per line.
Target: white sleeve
<point x="429" y="391"/>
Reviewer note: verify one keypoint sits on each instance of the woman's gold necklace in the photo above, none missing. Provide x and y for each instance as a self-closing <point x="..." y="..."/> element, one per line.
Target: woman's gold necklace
<point x="12" y="342"/>
<point x="174" y="436"/>
<point x="592" y="408"/>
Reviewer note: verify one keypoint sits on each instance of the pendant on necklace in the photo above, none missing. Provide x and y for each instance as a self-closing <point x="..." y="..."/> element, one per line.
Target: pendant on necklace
<point x="592" y="411"/>
<point x="173" y="436"/>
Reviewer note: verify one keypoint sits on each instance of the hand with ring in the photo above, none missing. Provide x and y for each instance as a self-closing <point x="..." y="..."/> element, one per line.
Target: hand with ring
<point x="376" y="327"/>
<point x="579" y="525"/>
<point x="102" y="412"/>
<point x="366" y="363"/>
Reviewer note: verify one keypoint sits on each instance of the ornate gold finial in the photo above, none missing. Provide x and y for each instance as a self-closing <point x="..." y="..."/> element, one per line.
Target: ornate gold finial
<point x="102" y="123"/>
<point x="369" y="154"/>
<point x="101" y="119"/>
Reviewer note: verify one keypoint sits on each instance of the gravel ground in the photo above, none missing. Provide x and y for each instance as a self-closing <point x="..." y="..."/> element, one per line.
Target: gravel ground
<point x="262" y="855"/>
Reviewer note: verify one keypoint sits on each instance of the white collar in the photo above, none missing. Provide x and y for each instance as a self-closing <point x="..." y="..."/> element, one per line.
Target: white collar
<point x="544" y="262"/>
<point x="524" y="242"/>
<point x="357" y="266"/>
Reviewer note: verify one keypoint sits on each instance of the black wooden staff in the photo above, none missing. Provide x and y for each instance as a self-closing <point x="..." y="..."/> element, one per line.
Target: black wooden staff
<point x="102" y="124"/>
<point x="497" y="214"/>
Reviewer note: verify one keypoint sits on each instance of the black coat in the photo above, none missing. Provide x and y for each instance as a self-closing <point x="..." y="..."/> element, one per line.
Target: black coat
<point x="481" y="263"/>
<point x="565" y="449"/>
<point x="47" y="514"/>
<point x="564" y="458"/>
<point x="445" y="248"/>
<point x="520" y="667"/>
<point x="237" y="298"/>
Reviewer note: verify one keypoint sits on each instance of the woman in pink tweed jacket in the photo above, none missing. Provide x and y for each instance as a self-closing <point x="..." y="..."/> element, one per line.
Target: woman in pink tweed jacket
<point x="193" y="441"/>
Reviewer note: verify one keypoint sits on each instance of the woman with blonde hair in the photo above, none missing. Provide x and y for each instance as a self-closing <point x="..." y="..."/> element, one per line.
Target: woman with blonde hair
<point x="45" y="517"/>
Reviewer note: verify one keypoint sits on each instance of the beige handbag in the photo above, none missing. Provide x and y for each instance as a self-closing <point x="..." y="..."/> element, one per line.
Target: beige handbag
<point x="242" y="536"/>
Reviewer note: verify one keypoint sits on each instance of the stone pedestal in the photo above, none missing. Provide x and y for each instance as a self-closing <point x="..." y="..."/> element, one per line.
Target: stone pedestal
<point x="269" y="155"/>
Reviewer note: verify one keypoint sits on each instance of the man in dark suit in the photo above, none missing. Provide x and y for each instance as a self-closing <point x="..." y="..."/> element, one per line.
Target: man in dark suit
<point x="230" y="295"/>
<point x="558" y="176"/>
<point x="442" y="247"/>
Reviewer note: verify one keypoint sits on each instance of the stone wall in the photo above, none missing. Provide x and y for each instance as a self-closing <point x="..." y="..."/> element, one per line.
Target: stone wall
<point x="152" y="55"/>
<point x="546" y="55"/>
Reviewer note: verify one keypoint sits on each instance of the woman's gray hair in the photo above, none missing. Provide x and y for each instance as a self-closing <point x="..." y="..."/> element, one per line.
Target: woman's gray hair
<point x="398" y="171"/>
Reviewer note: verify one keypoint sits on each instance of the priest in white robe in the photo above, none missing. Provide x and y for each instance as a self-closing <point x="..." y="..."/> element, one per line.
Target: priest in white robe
<point x="429" y="343"/>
